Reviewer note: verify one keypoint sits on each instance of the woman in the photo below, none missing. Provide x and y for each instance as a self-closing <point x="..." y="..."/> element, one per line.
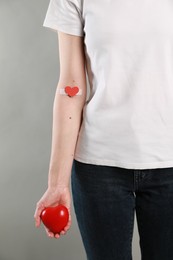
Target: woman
<point x="118" y="143"/>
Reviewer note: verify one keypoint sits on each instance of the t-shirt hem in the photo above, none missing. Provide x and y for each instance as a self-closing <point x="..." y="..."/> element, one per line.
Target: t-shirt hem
<point x="152" y="165"/>
<point x="55" y="27"/>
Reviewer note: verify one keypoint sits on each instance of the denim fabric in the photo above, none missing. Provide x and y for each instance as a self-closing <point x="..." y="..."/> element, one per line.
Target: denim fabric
<point x="105" y="199"/>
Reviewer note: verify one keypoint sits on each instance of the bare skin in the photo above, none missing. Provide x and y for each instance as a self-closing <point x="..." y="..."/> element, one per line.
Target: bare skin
<point x="67" y="118"/>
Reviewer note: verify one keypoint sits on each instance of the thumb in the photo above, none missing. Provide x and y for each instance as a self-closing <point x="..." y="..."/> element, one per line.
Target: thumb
<point x="39" y="209"/>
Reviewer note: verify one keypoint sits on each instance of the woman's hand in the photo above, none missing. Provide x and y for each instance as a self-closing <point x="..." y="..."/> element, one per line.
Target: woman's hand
<point x="51" y="198"/>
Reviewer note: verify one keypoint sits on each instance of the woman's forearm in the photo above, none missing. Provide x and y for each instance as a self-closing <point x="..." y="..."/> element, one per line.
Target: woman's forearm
<point x="67" y="116"/>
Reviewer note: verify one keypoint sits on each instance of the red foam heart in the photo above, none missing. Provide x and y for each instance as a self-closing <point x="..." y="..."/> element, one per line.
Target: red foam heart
<point x="71" y="91"/>
<point x="55" y="218"/>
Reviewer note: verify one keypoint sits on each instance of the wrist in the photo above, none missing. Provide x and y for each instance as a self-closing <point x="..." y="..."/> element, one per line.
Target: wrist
<point x="57" y="180"/>
<point x="52" y="185"/>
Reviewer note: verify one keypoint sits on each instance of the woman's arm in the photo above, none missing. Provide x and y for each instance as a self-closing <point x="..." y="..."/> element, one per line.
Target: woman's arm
<point x="67" y="116"/>
<point x="67" y="111"/>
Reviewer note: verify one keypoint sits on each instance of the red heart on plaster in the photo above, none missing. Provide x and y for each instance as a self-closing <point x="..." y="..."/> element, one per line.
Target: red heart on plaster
<point x="71" y="91"/>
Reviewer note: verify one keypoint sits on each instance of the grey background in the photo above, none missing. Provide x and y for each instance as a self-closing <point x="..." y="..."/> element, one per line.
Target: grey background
<point x="29" y="72"/>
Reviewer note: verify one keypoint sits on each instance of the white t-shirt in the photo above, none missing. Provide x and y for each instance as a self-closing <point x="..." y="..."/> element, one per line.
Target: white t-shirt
<point x="128" y="117"/>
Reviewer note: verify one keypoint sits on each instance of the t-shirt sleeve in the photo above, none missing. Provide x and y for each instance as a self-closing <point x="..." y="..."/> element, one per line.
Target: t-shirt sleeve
<point x="65" y="16"/>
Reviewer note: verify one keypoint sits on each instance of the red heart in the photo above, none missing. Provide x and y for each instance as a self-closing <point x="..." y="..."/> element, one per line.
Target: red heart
<point x="71" y="91"/>
<point x="55" y="218"/>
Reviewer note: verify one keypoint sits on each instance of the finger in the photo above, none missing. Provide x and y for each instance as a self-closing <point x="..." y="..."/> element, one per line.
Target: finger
<point x="48" y="232"/>
<point x="62" y="232"/>
<point x="37" y="213"/>
<point x="66" y="228"/>
<point x="68" y="224"/>
<point x="57" y="236"/>
<point x="37" y="219"/>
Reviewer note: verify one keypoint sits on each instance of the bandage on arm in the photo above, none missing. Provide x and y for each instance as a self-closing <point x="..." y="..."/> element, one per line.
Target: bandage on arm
<point x="70" y="91"/>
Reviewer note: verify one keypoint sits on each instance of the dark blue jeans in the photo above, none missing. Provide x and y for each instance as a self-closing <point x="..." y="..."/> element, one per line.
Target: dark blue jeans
<point x="105" y="199"/>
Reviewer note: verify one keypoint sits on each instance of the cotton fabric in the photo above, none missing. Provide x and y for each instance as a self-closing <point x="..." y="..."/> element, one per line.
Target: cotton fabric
<point x="128" y="117"/>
